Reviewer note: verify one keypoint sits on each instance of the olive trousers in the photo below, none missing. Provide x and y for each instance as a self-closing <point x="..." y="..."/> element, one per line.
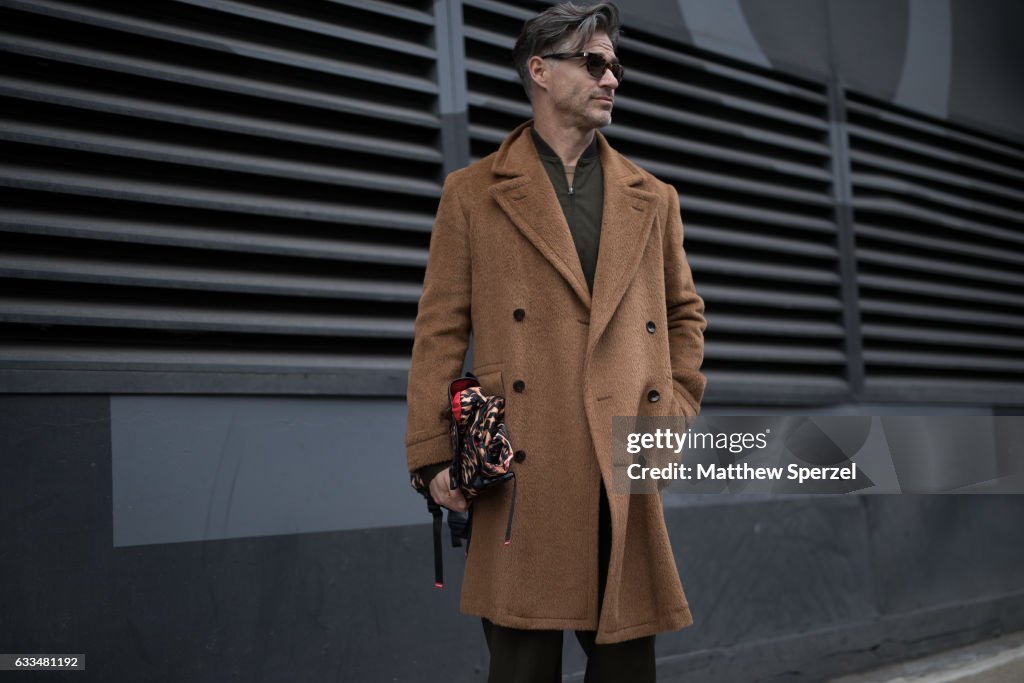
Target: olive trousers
<point x="535" y="656"/>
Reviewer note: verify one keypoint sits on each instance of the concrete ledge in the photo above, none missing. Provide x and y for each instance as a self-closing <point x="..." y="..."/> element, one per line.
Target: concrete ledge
<point x="1000" y="660"/>
<point x="818" y="655"/>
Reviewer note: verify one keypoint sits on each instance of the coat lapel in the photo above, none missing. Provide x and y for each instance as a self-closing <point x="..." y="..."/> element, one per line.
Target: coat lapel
<point x="526" y="196"/>
<point x="528" y="199"/>
<point x="627" y="218"/>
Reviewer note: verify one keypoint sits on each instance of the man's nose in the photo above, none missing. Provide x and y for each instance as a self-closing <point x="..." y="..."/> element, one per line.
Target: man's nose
<point x="607" y="80"/>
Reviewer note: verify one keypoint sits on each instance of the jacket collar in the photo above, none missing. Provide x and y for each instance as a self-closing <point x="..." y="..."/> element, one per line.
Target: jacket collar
<point x="544" y="149"/>
<point x="524" y="193"/>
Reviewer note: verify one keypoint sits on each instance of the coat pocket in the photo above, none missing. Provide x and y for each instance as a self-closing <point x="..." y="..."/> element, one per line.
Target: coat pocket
<point x="491" y="379"/>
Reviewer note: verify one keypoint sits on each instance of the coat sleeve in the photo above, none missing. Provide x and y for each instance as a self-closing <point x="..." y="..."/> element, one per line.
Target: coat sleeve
<point x="441" y="334"/>
<point x="686" y="321"/>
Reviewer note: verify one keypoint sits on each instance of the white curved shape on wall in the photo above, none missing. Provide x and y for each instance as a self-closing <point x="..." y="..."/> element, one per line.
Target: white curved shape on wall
<point x="927" y="66"/>
<point x="721" y="26"/>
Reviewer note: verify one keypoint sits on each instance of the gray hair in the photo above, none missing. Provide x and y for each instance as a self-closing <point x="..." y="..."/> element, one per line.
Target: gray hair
<point x="548" y="31"/>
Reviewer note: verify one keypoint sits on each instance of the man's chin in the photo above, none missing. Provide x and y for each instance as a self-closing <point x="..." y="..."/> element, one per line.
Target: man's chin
<point x="600" y="119"/>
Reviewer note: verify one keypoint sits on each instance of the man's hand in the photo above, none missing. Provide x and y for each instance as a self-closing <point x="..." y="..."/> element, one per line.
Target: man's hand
<point x="445" y="496"/>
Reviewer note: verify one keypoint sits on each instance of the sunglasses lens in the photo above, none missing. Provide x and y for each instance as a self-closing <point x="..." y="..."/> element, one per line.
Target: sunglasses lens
<point x="596" y="66"/>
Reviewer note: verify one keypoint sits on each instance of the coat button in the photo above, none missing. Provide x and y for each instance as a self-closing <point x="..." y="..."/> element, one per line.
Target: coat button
<point x="653" y="396"/>
<point x="519" y="386"/>
<point x="519" y="314"/>
<point x="519" y="456"/>
<point x="651" y="327"/>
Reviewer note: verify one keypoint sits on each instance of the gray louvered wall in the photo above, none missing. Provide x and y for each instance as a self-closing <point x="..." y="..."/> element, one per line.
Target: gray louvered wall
<point x="211" y="196"/>
<point x="939" y="212"/>
<point x="215" y="187"/>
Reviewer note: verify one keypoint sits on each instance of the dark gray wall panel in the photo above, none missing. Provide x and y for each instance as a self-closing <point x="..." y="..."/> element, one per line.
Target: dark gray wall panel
<point x="973" y="550"/>
<point x="985" y="88"/>
<point x="796" y="589"/>
<point x="869" y="43"/>
<point x="195" y="468"/>
<point x="57" y="590"/>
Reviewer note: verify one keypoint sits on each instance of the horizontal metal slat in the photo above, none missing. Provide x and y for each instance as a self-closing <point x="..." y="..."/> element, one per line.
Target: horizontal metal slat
<point x="197" y="116"/>
<point x="746" y="268"/>
<point x="727" y="101"/>
<point x="771" y="84"/>
<point x="924" y="389"/>
<point x="937" y="290"/>
<point x="866" y="182"/>
<point x="902" y="209"/>
<point x="53" y="356"/>
<point x="779" y="301"/>
<point x="130" y="147"/>
<point x="689" y="145"/>
<point x="955" y="314"/>
<point x="503" y="9"/>
<point x="694" y="176"/>
<point x="772" y="326"/>
<point x="884" y="164"/>
<point x="520" y="108"/>
<point x="169" y="275"/>
<point x="751" y="240"/>
<point x="918" y="335"/>
<point x="197" y="236"/>
<point x="950" y="246"/>
<point x="919" y="358"/>
<point x="488" y="37"/>
<point x="923" y="267"/>
<point x="741" y="132"/>
<point x="216" y="81"/>
<point x="179" y="318"/>
<point x="855" y="105"/>
<point x="763" y="353"/>
<point x="942" y="157"/>
<point x="277" y="19"/>
<point x="388" y="9"/>
<point x="755" y="215"/>
<point x="154" y="192"/>
<point x="236" y="47"/>
<point x="765" y="386"/>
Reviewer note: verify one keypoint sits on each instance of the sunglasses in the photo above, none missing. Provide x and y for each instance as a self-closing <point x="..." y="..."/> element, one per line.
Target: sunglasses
<point x="595" y="63"/>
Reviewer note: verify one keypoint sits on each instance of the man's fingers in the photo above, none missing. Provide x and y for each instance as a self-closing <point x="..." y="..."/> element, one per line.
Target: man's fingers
<point x="445" y="496"/>
<point x="454" y="500"/>
<point x="457" y="501"/>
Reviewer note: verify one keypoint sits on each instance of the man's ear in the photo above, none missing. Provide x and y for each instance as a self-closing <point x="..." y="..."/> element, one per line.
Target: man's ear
<point x="539" y="71"/>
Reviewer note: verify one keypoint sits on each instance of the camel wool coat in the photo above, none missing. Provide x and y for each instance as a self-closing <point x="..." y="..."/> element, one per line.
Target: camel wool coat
<point x="503" y="266"/>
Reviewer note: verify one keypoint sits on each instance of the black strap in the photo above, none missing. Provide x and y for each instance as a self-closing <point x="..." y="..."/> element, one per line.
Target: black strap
<point x="511" y="512"/>
<point x="435" y="510"/>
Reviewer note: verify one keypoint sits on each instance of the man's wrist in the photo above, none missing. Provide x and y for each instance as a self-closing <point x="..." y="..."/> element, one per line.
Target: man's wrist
<point x="428" y="472"/>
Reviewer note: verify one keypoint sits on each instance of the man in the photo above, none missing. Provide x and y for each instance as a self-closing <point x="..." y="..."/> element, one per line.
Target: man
<point x="566" y="262"/>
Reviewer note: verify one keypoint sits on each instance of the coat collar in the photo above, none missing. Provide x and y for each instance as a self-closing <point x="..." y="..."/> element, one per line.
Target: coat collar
<point x="524" y="193"/>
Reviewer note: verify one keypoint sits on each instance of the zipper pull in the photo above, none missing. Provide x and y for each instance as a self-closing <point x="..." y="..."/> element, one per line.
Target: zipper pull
<point x="571" y="191"/>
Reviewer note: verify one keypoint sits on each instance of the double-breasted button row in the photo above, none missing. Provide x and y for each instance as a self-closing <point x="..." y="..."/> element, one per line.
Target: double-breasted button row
<point x="519" y="386"/>
<point x="652" y="396"/>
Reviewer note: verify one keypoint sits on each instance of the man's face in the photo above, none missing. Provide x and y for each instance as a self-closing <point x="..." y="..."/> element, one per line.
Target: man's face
<point x="580" y="100"/>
